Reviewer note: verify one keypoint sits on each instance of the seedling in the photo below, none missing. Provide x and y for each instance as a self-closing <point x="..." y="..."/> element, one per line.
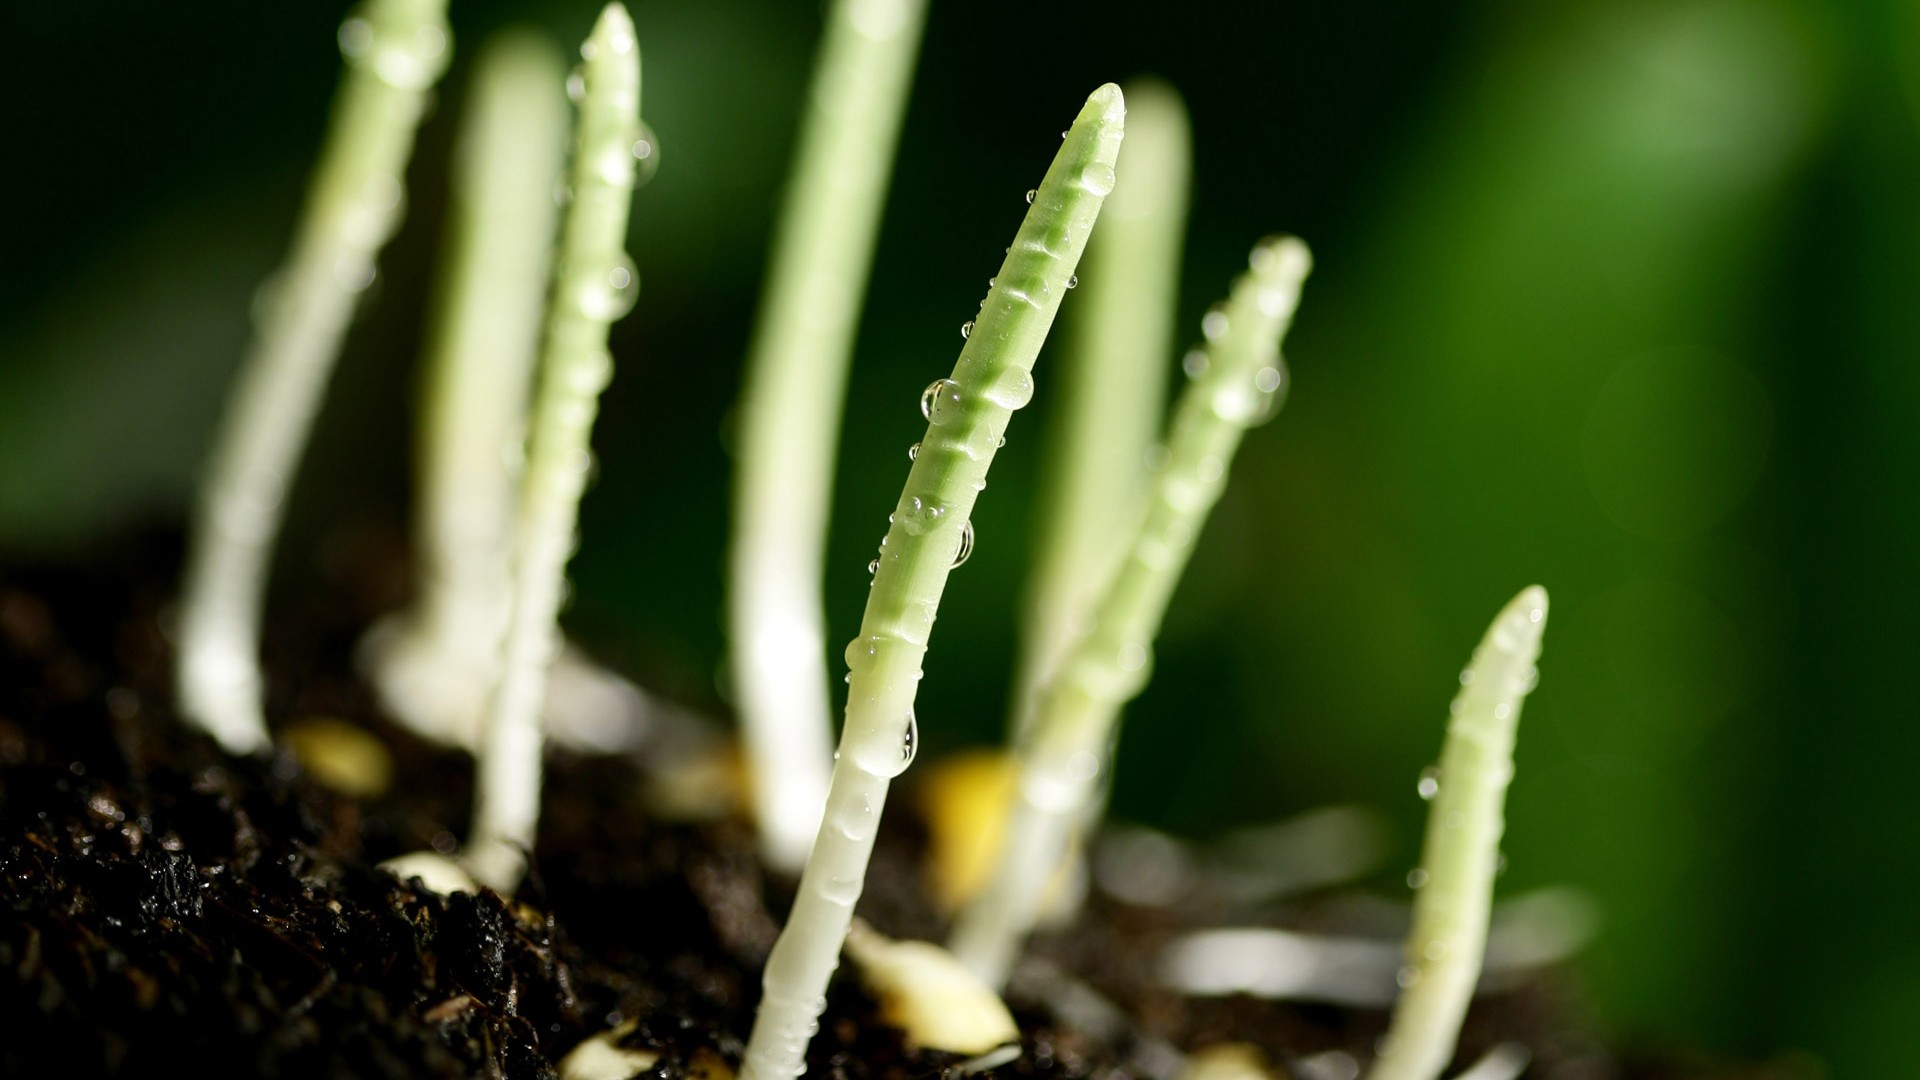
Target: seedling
<point x="1461" y="855"/>
<point x="790" y="411"/>
<point x="929" y="532"/>
<point x="434" y="664"/>
<point x="595" y="285"/>
<point x="1237" y="382"/>
<point x="395" y="51"/>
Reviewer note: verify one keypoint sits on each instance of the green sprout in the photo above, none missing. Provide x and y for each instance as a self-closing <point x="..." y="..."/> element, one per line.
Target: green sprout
<point x="433" y="664"/>
<point x="790" y="411"/>
<point x="1238" y="381"/>
<point x="395" y="51"/>
<point x="595" y="284"/>
<point x="1461" y="856"/>
<point x="928" y="534"/>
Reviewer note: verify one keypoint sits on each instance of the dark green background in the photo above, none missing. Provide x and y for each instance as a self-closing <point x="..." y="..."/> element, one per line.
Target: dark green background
<point x="1618" y="297"/>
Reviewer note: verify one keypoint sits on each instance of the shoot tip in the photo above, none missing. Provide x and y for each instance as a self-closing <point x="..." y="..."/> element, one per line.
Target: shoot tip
<point x="1112" y="103"/>
<point x="615" y="27"/>
<point x="1283" y="257"/>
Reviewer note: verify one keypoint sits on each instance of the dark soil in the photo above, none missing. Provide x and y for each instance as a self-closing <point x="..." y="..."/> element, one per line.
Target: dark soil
<point x="164" y="906"/>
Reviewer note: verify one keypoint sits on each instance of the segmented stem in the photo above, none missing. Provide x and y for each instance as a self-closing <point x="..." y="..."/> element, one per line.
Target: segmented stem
<point x="433" y="664"/>
<point x="967" y="418"/>
<point x="790" y="411"/>
<point x="594" y="285"/>
<point x="1461" y="855"/>
<point x="395" y="50"/>
<point x="1066" y="748"/>
<point x="1113" y="383"/>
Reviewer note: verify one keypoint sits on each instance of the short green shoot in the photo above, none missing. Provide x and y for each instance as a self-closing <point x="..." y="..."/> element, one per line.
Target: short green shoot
<point x="796" y="382"/>
<point x="1238" y="381"/>
<point x="595" y="285"/>
<point x="929" y="532"/>
<point x="433" y="664"/>
<point x="1461" y="856"/>
<point x="1113" y="383"/>
<point x="395" y="50"/>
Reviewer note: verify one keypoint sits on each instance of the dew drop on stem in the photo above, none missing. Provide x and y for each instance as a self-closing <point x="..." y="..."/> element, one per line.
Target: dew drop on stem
<point x="965" y="550"/>
<point x="940" y="401"/>
<point x="646" y="154"/>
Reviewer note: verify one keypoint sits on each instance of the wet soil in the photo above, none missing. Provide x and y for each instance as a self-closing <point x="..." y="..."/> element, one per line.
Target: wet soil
<point x="165" y="906"/>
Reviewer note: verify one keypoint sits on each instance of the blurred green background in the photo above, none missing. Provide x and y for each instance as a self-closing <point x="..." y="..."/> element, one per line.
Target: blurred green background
<point x="1620" y="297"/>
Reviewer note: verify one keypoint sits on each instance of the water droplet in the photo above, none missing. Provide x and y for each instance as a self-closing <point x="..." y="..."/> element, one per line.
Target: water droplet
<point x="621" y="39"/>
<point x="576" y="85"/>
<point x="855" y="823"/>
<point x="965" y="550"/>
<point x="840" y="890"/>
<point x="1213" y="326"/>
<point x="384" y="192"/>
<point x="1097" y="178"/>
<point x="646" y="151"/>
<point x="1210" y="469"/>
<point x="1073" y="282"/>
<point x="1030" y="194"/>
<point x="1407" y="976"/>
<point x="611" y="296"/>
<point x="861" y="652"/>
<point x="592" y="374"/>
<point x="966" y="329"/>
<point x="1435" y="950"/>
<point x="1000" y="442"/>
<point x="1429" y="784"/>
<point x="356" y="37"/>
<point x="353" y="272"/>
<point x="1416" y="878"/>
<point x="873" y="567"/>
<point x="1012" y="388"/>
<point x="1466" y="677"/>
<point x="1502" y="711"/>
<point x="917" y="515"/>
<point x="913" y="451"/>
<point x="940" y="401"/>
<point x="910" y="742"/>
<point x="615" y="166"/>
<point x="1267" y="380"/>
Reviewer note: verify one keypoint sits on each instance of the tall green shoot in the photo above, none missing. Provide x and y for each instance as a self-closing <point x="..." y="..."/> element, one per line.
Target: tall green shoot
<point x="967" y="418"/>
<point x="1237" y="382"/>
<point x="433" y="664"/>
<point x="595" y="284"/>
<point x="1461" y="856"/>
<point x="395" y="51"/>
<point x="790" y="411"/>
<point x="1112" y="387"/>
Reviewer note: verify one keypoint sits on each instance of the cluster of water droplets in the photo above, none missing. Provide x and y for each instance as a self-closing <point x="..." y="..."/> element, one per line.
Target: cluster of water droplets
<point x="404" y="54"/>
